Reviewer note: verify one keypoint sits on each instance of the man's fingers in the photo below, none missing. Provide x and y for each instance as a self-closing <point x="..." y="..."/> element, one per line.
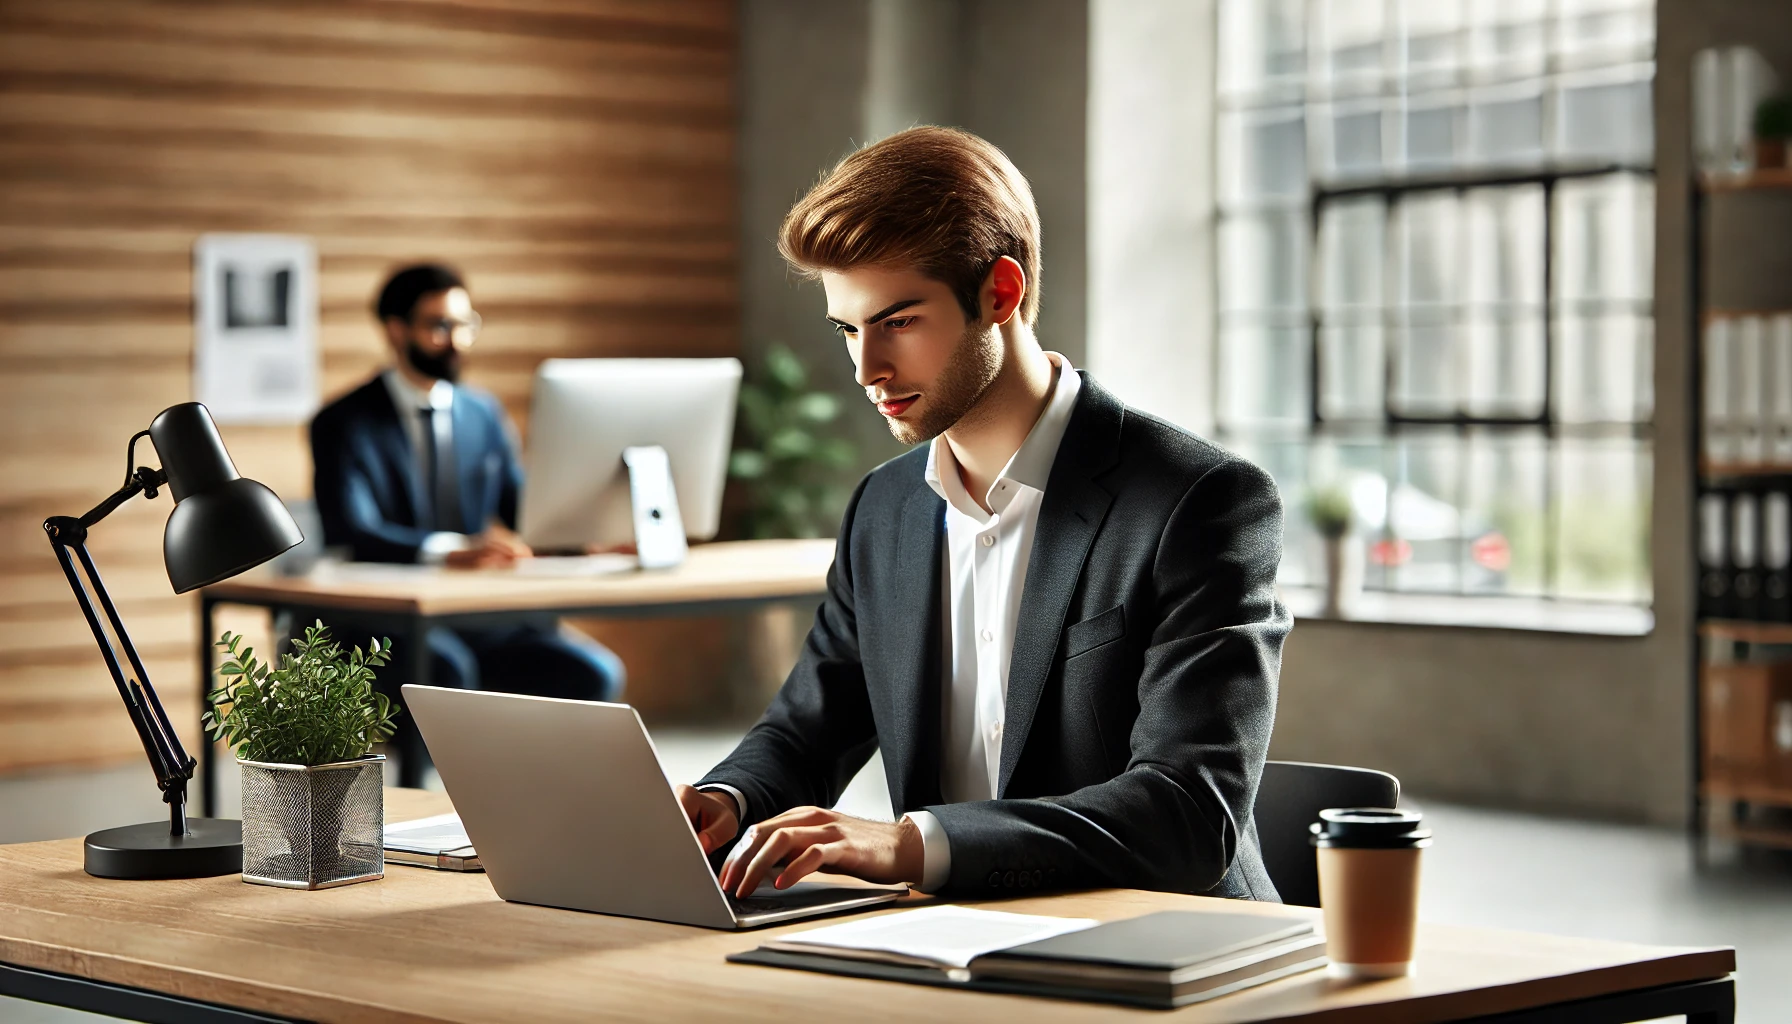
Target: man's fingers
<point x="782" y="844"/>
<point x="809" y="861"/>
<point x="743" y="851"/>
<point x="715" y="834"/>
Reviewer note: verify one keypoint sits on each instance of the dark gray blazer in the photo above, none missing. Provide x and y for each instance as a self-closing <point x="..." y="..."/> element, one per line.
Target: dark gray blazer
<point x="1141" y="690"/>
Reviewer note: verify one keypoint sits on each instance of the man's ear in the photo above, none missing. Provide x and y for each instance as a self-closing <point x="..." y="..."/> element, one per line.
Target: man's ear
<point x="1004" y="290"/>
<point x="395" y="331"/>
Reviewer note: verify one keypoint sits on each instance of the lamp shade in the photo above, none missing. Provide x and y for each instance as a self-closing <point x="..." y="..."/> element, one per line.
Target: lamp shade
<point x="222" y="523"/>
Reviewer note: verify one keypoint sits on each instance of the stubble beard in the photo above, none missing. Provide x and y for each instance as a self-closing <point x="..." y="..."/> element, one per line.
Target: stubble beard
<point x="960" y="387"/>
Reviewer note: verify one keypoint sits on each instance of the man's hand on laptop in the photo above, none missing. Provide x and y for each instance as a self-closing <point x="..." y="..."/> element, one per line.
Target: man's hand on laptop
<point x="809" y="839"/>
<point x="712" y="814"/>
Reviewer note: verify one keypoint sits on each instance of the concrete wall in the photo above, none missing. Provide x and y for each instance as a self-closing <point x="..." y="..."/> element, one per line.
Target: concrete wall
<point x="1150" y="223"/>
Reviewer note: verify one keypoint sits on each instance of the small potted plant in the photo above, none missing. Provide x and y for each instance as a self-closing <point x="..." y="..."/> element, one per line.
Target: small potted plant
<point x="1772" y="127"/>
<point x="1330" y="511"/>
<point x="303" y="732"/>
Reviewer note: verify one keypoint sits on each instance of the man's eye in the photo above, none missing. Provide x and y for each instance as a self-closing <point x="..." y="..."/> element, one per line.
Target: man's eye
<point x="844" y="331"/>
<point x="897" y="323"/>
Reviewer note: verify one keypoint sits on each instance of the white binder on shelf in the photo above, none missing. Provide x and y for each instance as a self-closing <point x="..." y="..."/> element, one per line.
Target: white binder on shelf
<point x="1719" y="444"/>
<point x="1779" y="390"/>
<point x="1747" y="386"/>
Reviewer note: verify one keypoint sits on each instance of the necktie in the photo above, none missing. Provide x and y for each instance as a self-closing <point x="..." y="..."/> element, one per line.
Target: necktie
<point x="440" y="474"/>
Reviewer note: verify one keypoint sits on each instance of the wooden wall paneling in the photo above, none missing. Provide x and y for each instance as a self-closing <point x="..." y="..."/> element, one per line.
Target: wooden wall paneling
<point x="574" y="157"/>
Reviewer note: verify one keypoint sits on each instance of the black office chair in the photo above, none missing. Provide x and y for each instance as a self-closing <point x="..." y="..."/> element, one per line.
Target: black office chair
<point x="1290" y="798"/>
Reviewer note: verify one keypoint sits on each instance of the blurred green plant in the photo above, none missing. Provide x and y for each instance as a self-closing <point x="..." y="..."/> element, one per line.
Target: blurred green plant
<point x="1330" y="511"/>
<point x="793" y="464"/>
<point x="1773" y="117"/>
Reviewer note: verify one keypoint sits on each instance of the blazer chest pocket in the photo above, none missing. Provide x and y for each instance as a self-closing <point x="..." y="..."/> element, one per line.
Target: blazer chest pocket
<point x="1082" y="637"/>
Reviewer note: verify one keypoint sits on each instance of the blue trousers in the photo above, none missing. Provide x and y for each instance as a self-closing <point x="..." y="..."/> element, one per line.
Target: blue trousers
<point x="536" y="659"/>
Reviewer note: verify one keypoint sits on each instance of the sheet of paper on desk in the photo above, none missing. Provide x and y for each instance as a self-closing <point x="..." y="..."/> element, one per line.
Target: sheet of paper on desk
<point x="950" y="936"/>
<point x="577" y="565"/>
<point x="440" y="834"/>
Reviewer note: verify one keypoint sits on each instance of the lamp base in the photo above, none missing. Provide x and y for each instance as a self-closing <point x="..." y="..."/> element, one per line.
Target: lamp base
<point x="212" y="846"/>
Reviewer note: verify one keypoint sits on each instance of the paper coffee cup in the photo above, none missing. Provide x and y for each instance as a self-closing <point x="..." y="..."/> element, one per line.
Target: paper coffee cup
<point x="1369" y="888"/>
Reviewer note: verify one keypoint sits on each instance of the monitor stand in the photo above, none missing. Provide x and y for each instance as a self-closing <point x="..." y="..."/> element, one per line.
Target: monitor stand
<point x="659" y="529"/>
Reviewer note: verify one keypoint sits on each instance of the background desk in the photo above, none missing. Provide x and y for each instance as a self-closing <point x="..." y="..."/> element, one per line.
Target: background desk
<point x="427" y="946"/>
<point x="405" y="601"/>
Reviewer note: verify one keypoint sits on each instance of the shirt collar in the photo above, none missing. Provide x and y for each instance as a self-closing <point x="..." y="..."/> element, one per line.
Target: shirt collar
<point x="407" y="396"/>
<point x="1030" y="466"/>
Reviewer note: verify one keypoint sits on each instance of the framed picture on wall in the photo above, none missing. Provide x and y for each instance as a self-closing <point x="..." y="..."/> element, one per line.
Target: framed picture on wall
<point x="255" y="327"/>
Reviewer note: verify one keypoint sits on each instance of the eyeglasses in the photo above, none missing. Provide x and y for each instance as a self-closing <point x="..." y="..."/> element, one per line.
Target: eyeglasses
<point x="445" y="329"/>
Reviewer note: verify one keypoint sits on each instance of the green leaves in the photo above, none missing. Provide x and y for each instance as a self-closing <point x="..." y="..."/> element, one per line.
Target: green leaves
<point x="317" y="706"/>
<point x="793" y="460"/>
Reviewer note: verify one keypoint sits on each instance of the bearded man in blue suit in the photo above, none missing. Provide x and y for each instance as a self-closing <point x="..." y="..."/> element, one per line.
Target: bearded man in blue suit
<point x="415" y="466"/>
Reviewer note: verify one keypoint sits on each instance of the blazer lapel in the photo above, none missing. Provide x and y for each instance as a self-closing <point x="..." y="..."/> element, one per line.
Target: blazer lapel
<point x="911" y="653"/>
<point x="1070" y="515"/>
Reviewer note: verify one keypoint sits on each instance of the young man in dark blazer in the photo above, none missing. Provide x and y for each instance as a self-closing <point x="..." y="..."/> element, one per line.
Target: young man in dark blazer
<point x="1056" y="619"/>
<point x="414" y="466"/>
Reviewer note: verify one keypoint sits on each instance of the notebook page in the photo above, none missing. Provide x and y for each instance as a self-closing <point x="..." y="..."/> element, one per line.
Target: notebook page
<point x="438" y="834"/>
<point x="950" y="936"/>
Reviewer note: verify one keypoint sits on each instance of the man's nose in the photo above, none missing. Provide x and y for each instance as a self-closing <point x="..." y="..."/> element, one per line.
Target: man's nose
<point x="873" y="367"/>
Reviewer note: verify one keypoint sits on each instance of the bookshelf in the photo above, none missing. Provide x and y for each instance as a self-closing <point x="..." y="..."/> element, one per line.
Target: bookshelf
<point x="1742" y="672"/>
<point x="1761" y="179"/>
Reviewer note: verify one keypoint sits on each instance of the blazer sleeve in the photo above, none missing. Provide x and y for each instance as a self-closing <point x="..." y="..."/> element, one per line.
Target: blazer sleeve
<point x="1173" y="820"/>
<point x="818" y="731"/>
<point x="343" y="489"/>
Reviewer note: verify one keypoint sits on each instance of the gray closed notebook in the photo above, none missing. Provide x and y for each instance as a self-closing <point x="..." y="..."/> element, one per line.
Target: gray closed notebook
<point x="1165" y="941"/>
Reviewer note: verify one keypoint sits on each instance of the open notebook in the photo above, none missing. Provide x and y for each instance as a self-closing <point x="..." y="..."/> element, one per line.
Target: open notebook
<point x="1161" y="960"/>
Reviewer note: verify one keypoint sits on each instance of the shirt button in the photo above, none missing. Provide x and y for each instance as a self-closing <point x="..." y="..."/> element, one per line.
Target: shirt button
<point x="988" y="541"/>
<point x="988" y="637"/>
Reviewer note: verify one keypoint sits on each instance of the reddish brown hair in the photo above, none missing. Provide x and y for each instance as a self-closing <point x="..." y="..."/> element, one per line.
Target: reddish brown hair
<point x="939" y="200"/>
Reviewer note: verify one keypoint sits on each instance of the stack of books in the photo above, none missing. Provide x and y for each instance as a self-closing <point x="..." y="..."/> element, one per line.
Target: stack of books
<point x="1161" y="960"/>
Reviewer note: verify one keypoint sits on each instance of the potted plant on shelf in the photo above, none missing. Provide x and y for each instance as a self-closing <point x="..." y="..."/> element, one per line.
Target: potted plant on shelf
<point x="1330" y="511"/>
<point x="303" y="732"/>
<point x="1772" y="127"/>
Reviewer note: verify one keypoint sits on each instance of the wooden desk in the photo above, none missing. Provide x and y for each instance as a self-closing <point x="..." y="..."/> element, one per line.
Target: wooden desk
<point x="426" y="946"/>
<point x="404" y="601"/>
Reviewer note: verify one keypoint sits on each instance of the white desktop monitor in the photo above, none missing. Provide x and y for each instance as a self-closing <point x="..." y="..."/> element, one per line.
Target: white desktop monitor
<point x="584" y="412"/>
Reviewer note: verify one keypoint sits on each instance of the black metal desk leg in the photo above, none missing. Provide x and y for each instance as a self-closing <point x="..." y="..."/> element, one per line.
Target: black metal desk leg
<point x="410" y="760"/>
<point x="208" y="754"/>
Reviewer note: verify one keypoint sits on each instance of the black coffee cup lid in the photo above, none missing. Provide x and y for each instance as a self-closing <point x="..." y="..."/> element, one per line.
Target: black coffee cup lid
<point x="1370" y="828"/>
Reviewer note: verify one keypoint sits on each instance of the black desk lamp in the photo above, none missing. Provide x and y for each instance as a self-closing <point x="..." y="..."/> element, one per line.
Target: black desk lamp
<point x="221" y="525"/>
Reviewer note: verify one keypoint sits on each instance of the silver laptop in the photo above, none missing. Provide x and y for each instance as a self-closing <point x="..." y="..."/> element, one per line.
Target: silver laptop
<point x="568" y="807"/>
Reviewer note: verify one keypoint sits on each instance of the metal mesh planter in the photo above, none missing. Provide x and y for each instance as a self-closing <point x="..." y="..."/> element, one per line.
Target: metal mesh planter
<point x="313" y="827"/>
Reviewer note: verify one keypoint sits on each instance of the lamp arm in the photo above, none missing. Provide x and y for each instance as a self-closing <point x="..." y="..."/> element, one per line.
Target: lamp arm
<point x="68" y="538"/>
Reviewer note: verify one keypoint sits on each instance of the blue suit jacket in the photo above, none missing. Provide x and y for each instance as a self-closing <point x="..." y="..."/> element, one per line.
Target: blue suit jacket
<point x="370" y="491"/>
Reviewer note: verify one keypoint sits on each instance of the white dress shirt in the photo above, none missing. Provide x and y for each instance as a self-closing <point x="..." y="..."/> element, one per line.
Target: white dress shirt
<point x="985" y="571"/>
<point x="410" y="403"/>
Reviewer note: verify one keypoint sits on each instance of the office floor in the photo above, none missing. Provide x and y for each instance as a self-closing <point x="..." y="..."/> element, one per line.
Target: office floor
<point x="1489" y="868"/>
